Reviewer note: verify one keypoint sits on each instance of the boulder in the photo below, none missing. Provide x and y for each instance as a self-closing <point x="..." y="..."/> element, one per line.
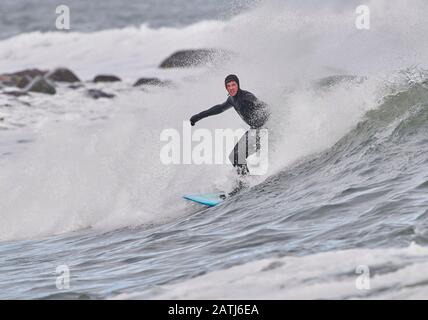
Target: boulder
<point x="76" y="86"/>
<point x="15" y="81"/>
<point x="96" y="94"/>
<point x="152" y="82"/>
<point x="62" y="75"/>
<point x="194" y="58"/>
<point x="106" y="78"/>
<point x="15" y="93"/>
<point x="31" y="73"/>
<point x="22" y="78"/>
<point x="4" y="78"/>
<point x="41" y="85"/>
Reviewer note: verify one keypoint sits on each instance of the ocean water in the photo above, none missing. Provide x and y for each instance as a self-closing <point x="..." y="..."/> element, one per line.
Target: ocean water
<point x="83" y="188"/>
<point x="87" y="16"/>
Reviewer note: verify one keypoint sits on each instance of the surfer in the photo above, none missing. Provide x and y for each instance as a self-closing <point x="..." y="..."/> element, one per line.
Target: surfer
<point x="253" y="111"/>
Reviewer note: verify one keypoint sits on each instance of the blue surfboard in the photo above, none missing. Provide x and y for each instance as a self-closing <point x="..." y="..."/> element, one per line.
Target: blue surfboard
<point x="209" y="200"/>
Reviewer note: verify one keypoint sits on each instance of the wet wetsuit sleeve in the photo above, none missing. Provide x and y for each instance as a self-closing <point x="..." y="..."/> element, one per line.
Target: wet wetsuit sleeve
<point x="212" y="111"/>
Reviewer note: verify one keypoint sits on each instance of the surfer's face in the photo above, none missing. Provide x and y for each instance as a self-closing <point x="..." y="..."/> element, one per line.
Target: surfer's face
<point x="232" y="88"/>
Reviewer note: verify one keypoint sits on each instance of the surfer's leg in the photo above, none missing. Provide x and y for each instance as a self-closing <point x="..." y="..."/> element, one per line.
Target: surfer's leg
<point x="247" y="145"/>
<point x="253" y="143"/>
<point x="239" y="154"/>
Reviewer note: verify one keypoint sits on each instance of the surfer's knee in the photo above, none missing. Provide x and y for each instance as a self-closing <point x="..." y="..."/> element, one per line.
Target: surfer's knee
<point x="232" y="158"/>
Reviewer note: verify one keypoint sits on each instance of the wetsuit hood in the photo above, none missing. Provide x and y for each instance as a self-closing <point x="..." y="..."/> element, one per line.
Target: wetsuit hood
<point x="232" y="77"/>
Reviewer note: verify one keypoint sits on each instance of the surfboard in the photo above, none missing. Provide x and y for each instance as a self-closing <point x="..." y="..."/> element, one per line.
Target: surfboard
<point x="209" y="200"/>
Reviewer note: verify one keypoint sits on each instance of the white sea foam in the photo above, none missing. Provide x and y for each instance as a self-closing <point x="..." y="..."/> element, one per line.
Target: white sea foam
<point x="108" y="174"/>
<point x="389" y="274"/>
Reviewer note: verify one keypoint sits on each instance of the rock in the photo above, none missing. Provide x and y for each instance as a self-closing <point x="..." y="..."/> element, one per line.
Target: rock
<point x="152" y="82"/>
<point x="41" y="85"/>
<point x="62" y="75"/>
<point x="16" y="93"/>
<point x="22" y="141"/>
<point x="15" y="81"/>
<point x="76" y="86"/>
<point x="3" y="78"/>
<point x="25" y="103"/>
<point x="194" y="58"/>
<point x="32" y="73"/>
<point x="106" y="78"/>
<point x="22" y="82"/>
<point x="22" y="78"/>
<point x="96" y="94"/>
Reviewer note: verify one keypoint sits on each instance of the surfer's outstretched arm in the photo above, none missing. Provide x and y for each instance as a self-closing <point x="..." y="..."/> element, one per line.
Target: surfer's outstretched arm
<point x="211" y="112"/>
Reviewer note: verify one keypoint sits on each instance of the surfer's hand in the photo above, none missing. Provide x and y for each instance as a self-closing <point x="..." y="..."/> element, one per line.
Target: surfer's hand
<point x="193" y="120"/>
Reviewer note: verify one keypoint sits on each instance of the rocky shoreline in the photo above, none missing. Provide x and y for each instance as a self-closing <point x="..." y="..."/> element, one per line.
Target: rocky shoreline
<point x="25" y="82"/>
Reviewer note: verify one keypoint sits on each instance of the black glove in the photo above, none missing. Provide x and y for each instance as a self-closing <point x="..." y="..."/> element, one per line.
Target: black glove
<point x="193" y="120"/>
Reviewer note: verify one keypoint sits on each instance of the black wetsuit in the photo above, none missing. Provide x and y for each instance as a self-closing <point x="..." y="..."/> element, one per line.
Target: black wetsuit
<point x="254" y="112"/>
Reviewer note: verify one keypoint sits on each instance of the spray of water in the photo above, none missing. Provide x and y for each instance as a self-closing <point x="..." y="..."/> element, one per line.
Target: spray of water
<point x="109" y="175"/>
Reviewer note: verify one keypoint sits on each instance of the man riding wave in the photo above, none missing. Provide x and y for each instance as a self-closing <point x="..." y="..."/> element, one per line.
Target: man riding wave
<point x="253" y="111"/>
